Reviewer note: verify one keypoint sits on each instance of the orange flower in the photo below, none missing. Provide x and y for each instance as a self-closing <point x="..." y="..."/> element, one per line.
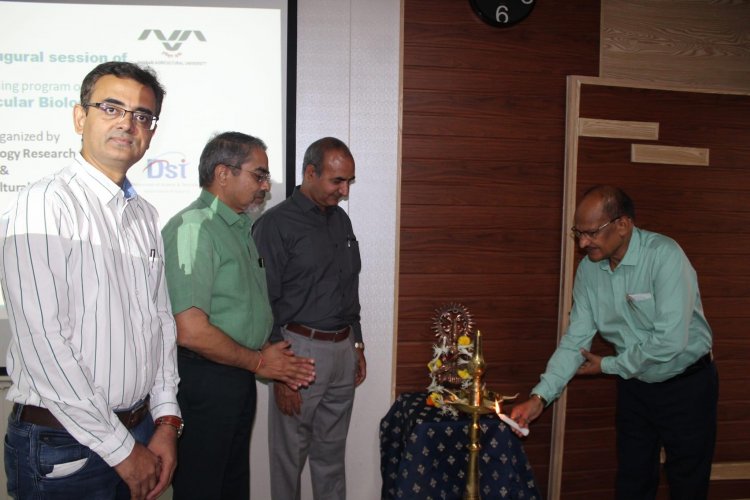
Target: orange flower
<point x="435" y="399"/>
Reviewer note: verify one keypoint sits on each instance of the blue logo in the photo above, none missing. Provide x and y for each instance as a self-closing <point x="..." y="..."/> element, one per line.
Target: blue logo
<point x="170" y="165"/>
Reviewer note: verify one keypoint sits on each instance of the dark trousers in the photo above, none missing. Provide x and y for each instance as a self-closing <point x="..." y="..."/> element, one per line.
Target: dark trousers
<point x="218" y="408"/>
<point x="678" y="414"/>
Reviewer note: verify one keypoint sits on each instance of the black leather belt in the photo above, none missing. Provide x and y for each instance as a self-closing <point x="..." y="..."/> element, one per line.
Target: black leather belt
<point x="42" y="416"/>
<point x="702" y="363"/>
<point x="314" y="334"/>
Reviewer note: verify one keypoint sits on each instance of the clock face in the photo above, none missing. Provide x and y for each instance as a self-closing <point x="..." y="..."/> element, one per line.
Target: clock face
<point x="502" y="13"/>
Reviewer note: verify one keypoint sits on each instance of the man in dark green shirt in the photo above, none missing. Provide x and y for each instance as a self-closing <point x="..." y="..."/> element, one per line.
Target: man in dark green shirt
<point x="217" y="286"/>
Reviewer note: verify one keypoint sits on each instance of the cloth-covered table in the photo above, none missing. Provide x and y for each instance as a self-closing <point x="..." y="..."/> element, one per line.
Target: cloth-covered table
<point x="424" y="455"/>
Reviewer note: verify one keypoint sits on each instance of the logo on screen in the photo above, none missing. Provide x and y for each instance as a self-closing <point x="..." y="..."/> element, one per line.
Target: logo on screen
<point x="175" y="40"/>
<point x="167" y="166"/>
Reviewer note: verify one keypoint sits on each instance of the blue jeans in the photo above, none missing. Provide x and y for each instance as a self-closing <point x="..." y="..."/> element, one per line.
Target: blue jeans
<point x="32" y="451"/>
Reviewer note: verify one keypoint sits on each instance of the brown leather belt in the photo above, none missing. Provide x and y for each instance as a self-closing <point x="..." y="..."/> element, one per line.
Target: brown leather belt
<point x="314" y="334"/>
<point x="42" y="416"/>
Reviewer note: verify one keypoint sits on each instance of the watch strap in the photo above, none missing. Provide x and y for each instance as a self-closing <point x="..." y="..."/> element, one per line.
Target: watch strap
<point x="172" y="421"/>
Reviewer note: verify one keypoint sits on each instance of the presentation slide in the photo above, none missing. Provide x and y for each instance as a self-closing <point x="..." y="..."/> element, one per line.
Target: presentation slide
<point x="223" y="69"/>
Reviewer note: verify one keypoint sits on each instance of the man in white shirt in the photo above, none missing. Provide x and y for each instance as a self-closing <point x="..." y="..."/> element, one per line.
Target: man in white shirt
<point x="92" y="354"/>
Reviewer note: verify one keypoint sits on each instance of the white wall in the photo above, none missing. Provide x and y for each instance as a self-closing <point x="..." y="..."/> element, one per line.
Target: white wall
<point x="348" y="63"/>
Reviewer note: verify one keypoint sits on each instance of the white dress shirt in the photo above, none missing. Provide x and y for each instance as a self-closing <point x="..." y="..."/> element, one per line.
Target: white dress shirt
<point x="92" y="327"/>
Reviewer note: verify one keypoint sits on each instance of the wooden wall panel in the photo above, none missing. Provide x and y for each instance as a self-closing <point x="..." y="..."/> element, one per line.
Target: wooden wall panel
<point x="695" y="43"/>
<point x="482" y="177"/>
<point x="482" y="195"/>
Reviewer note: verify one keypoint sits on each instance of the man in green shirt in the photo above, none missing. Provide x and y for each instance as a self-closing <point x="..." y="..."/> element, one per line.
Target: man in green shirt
<point x="640" y="292"/>
<point x="217" y="286"/>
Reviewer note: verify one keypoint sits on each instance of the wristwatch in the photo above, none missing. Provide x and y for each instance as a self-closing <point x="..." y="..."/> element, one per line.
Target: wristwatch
<point x="172" y="421"/>
<point x="540" y="398"/>
<point x="359" y="345"/>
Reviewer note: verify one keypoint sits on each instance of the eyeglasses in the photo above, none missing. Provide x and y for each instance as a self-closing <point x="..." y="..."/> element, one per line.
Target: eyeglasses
<point x="142" y="119"/>
<point x="577" y="233"/>
<point x="260" y="177"/>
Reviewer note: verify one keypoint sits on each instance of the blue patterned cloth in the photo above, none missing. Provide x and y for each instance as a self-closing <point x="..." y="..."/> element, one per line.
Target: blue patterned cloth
<point x="424" y="455"/>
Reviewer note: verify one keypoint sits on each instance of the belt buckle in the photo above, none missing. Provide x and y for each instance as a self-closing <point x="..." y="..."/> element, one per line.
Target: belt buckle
<point x="322" y="335"/>
<point x="127" y="419"/>
<point x="316" y="334"/>
<point x="130" y="417"/>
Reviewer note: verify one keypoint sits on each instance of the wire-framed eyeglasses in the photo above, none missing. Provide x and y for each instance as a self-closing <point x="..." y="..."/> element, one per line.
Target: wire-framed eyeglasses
<point x="142" y="119"/>
<point x="260" y="177"/>
<point x="578" y="234"/>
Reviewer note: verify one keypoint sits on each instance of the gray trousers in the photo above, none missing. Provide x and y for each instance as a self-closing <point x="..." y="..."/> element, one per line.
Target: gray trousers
<point x="319" y="432"/>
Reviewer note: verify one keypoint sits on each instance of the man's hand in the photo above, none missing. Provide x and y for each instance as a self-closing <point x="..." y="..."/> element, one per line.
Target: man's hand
<point x="163" y="444"/>
<point x="140" y="471"/>
<point x="280" y="363"/>
<point x="288" y="400"/>
<point x="592" y="365"/>
<point x="361" y="373"/>
<point x="526" y="412"/>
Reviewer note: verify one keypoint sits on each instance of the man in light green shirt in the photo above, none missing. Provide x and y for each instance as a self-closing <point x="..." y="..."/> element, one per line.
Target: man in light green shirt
<point x="217" y="286"/>
<point x="640" y="292"/>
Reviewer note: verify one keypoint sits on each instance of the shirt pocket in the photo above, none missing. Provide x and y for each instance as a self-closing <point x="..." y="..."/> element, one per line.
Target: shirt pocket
<point x="154" y="270"/>
<point x="353" y="260"/>
<point x="643" y="309"/>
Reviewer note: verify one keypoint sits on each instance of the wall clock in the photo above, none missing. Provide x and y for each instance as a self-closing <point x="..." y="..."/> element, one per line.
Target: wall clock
<point x="502" y="13"/>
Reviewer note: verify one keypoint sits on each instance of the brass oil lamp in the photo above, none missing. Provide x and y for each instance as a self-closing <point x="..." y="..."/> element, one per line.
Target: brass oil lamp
<point x="475" y="401"/>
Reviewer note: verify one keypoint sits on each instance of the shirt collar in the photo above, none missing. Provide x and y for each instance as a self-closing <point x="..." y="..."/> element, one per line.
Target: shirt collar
<point x="632" y="254"/>
<point x="307" y="205"/>
<point x="100" y="184"/>
<point x="220" y="208"/>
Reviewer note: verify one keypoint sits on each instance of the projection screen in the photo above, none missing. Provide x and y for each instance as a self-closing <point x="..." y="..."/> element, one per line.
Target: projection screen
<point x="224" y="67"/>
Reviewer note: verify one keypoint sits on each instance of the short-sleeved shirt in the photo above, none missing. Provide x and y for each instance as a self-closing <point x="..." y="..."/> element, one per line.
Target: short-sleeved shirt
<point x="649" y="308"/>
<point x="212" y="264"/>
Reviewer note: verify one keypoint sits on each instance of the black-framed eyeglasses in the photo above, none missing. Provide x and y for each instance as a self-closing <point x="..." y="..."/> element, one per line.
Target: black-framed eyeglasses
<point x="577" y="233"/>
<point x="142" y="119"/>
<point x="261" y="177"/>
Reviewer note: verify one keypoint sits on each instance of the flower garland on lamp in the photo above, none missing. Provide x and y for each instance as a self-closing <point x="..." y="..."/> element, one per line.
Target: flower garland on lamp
<point x="449" y="367"/>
